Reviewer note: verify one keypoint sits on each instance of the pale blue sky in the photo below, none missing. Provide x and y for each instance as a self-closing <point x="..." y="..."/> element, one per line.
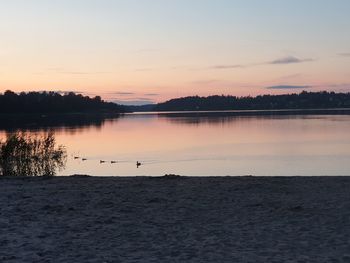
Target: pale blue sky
<point x="174" y="47"/>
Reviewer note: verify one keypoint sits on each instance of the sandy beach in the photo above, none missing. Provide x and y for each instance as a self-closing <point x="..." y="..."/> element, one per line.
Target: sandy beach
<point x="182" y="219"/>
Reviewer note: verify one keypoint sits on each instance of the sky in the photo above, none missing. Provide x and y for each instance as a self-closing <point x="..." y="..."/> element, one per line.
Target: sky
<point x="138" y="52"/>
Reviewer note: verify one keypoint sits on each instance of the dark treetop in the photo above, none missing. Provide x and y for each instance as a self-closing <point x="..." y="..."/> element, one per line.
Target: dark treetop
<point x="53" y="102"/>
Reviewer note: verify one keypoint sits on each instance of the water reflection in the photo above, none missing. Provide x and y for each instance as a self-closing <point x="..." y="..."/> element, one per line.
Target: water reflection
<point x="214" y="118"/>
<point x="70" y="123"/>
<point x="207" y="143"/>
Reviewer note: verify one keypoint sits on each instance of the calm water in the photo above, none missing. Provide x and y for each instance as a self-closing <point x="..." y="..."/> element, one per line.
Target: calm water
<point x="209" y="144"/>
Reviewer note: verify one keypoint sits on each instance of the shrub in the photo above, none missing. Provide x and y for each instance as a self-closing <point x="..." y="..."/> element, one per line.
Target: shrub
<point x="23" y="154"/>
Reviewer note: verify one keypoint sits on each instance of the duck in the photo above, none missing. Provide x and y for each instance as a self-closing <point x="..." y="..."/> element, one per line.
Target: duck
<point x="113" y="161"/>
<point x="102" y="161"/>
<point x="76" y="157"/>
<point x="138" y="164"/>
<point x="83" y="159"/>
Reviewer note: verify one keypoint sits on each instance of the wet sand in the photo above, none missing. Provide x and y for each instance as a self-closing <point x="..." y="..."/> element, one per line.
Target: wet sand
<point x="186" y="219"/>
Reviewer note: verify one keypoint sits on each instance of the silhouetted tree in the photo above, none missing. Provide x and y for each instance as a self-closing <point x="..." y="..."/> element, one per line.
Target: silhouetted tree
<point x="27" y="155"/>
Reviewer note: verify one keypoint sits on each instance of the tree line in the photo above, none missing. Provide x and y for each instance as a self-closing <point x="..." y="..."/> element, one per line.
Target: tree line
<point x="304" y="100"/>
<point x="53" y="102"/>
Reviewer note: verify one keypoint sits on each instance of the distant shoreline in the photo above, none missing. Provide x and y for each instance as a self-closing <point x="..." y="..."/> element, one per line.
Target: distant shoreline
<point x="117" y="114"/>
<point x="72" y="119"/>
<point x="317" y="110"/>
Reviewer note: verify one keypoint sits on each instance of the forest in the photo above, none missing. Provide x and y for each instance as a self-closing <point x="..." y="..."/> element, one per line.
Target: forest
<point x="53" y="102"/>
<point x="304" y="100"/>
<point x="56" y="103"/>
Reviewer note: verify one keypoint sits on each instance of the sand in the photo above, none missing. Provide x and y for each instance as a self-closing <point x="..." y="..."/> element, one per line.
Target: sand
<point x="214" y="219"/>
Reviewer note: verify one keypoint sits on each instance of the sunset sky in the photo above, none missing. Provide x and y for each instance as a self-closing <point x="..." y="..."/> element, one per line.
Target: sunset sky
<point x="142" y="51"/>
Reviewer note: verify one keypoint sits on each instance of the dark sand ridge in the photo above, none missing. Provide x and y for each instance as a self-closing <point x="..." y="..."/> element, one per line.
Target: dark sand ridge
<point x="186" y="219"/>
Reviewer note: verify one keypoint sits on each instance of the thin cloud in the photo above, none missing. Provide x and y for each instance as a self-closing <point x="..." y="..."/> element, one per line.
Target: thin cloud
<point x="278" y="61"/>
<point x="344" y="54"/>
<point x="226" y="66"/>
<point x="289" y="60"/>
<point x="285" y="87"/>
<point x="151" y="94"/>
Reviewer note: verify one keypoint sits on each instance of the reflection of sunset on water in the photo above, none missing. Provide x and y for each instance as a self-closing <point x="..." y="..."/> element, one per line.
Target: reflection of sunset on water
<point x="202" y="145"/>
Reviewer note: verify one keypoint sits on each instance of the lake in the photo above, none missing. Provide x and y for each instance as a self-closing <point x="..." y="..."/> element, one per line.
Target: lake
<point x="208" y="143"/>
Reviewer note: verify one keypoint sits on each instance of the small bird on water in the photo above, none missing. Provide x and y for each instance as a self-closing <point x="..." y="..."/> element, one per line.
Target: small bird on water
<point x="76" y="157"/>
<point x="102" y="161"/>
<point x="138" y="164"/>
<point x="84" y="159"/>
<point x="113" y="161"/>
